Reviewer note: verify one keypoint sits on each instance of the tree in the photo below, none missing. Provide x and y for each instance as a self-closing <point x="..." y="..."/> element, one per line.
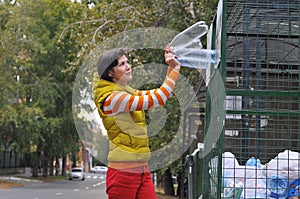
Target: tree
<point x="34" y="65"/>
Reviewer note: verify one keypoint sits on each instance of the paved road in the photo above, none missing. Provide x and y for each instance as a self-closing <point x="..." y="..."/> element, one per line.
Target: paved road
<point x="93" y="187"/>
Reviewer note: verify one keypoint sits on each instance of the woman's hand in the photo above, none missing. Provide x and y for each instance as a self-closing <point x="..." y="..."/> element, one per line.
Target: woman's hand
<point x="170" y="58"/>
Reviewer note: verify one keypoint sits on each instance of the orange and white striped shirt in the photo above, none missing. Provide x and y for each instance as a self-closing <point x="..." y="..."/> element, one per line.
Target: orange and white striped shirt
<point x="122" y="101"/>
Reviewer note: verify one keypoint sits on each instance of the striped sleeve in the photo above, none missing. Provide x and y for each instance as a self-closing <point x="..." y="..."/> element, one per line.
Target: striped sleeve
<point x="124" y="102"/>
<point x="145" y="92"/>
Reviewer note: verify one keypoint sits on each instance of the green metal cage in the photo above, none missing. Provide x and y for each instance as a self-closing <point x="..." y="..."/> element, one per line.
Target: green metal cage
<point x="252" y="142"/>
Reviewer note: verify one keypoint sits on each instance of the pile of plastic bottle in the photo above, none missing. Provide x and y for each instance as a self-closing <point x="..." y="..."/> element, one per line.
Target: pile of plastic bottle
<point x="279" y="178"/>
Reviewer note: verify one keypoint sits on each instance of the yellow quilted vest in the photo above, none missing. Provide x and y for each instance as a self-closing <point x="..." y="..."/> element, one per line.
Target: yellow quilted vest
<point x="127" y="132"/>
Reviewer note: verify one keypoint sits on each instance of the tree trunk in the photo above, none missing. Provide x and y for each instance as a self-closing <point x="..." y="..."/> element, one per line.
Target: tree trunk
<point x="35" y="157"/>
<point x="51" y="172"/>
<point x="63" y="170"/>
<point x="178" y="192"/>
<point x="168" y="183"/>
<point x="35" y="171"/>
<point x="45" y="166"/>
<point x="56" y="166"/>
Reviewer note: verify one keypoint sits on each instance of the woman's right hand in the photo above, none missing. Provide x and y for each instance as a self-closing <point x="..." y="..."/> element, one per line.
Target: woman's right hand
<point x="170" y="58"/>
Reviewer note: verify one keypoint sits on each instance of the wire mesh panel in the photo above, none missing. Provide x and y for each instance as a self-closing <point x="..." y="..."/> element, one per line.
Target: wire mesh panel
<point x="260" y="144"/>
<point x="213" y="139"/>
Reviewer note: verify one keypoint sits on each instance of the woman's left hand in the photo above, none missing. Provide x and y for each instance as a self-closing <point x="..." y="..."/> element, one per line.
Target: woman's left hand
<point x="170" y="58"/>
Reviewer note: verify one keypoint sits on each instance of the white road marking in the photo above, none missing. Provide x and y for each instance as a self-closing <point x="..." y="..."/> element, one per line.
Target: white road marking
<point x="98" y="184"/>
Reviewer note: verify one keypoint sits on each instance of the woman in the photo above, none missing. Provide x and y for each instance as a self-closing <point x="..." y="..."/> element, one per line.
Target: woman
<point x="122" y="111"/>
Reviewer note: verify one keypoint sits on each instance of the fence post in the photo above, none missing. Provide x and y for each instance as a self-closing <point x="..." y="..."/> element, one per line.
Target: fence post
<point x="195" y="174"/>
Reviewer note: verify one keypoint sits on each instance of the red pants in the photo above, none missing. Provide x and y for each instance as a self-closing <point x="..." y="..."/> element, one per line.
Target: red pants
<point x="130" y="184"/>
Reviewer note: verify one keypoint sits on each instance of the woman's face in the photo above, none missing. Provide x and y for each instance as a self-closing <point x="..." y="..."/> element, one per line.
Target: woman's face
<point x="122" y="72"/>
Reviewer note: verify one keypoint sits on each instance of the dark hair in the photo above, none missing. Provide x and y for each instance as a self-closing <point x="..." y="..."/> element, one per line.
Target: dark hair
<point x="108" y="60"/>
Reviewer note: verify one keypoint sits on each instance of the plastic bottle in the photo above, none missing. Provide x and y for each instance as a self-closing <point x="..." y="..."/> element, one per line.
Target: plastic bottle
<point x="233" y="189"/>
<point x="253" y="162"/>
<point x="203" y="55"/>
<point x="294" y="189"/>
<point x="278" y="186"/>
<point x="192" y="63"/>
<point x="196" y="58"/>
<point x="189" y="35"/>
<point x="229" y="188"/>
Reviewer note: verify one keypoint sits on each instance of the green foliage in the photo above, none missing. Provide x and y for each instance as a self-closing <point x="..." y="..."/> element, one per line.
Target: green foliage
<point x="36" y="95"/>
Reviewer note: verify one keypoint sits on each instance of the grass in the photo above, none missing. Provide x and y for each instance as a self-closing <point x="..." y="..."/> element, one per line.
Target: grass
<point x="48" y="179"/>
<point x="8" y="185"/>
<point x="161" y="195"/>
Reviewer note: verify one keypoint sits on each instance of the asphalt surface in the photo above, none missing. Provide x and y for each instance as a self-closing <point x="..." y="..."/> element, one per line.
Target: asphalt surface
<point x="93" y="187"/>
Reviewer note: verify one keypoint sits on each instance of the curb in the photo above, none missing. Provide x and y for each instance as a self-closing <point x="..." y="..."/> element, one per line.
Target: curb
<point x="11" y="178"/>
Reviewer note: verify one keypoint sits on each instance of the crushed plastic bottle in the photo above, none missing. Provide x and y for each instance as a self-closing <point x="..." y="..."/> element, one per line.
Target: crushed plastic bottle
<point x="190" y="35"/>
<point x="188" y="48"/>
